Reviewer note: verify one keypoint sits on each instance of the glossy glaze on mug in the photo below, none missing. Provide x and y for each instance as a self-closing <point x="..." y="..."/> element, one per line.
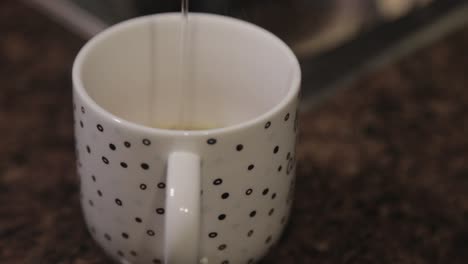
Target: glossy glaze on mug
<point x="247" y="179"/>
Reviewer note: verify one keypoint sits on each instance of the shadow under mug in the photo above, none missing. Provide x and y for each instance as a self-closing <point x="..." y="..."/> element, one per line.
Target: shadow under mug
<point x="152" y="195"/>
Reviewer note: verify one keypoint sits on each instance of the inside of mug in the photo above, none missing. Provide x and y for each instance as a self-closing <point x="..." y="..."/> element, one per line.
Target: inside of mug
<point x="234" y="71"/>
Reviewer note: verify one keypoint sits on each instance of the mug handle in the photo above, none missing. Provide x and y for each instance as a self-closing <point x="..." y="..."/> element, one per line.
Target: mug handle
<point x="182" y="221"/>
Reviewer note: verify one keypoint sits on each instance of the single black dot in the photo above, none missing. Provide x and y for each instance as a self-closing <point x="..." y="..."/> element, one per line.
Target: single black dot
<point x="100" y="128"/>
<point x="91" y="202"/>
<point x="248" y="192"/>
<point x="144" y="166"/>
<point x="280" y="168"/>
<point x="160" y="210"/>
<point x="99" y="192"/>
<point x="217" y="181"/>
<point x="222" y="217"/>
<point x="105" y="160"/>
<point x="251" y="167"/>
<point x="239" y="147"/>
<point x="225" y="195"/>
<point x="225" y="262"/>
<point x="125" y="235"/>
<point x="118" y="202"/>
<point x="112" y="146"/>
<point x="133" y="253"/>
<point x="267" y="125"/>
<point x="83" y="110"/>
<point x="265" y="192"/>
<point x="93" y="177"/>
<point x="251" y="261"/>
<point x="120" y="253"/>
<point x="211" y="141"/>
<point x="250" y="233"/>
<point x="253" y="213"/>
<point x="107" y="236"/>
<point x="275" y="150"/>
<point x="271" y="211"/>
<point x="146" y="142"/>
<point x="273" y="196"/>
<point x="268" y="240"/>
<point x="161" y="185"/>
<point x="88" y="149"/>
<point x="288" y="156"/>
<point x="138" y="219"/>
<point x="150" y="232"/>
<point x="81" y="124"/>
<point x="127" y="144"/>
<point x="143" y="186"/>
<point x="156" y="261"/>
<point x="213" y="234"/>
<point x="123" y="164"/>
<point x="222" y="247"/>
<point x="286" y="118"/>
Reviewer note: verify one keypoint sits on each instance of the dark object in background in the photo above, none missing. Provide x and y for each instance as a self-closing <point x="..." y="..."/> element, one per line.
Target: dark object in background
<point x="289" y="19"/>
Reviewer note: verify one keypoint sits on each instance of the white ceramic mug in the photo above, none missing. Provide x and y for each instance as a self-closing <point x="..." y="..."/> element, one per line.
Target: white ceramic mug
<point x="152" y="195"/>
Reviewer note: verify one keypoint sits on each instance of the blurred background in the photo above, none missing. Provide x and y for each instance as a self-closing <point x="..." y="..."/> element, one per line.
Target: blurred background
<point x="382" y="171"/>
<point x="334" y="39"/>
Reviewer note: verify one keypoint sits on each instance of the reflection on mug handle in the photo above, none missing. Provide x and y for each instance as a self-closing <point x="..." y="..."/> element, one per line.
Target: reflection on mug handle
<point x="182" y="223"/>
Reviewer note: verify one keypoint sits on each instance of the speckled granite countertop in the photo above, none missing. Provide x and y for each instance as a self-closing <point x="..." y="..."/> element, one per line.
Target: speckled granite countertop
<point x="382" y="177"/>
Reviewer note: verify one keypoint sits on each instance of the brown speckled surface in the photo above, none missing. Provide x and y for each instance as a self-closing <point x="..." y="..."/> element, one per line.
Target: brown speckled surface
<point x="383" y="172"/>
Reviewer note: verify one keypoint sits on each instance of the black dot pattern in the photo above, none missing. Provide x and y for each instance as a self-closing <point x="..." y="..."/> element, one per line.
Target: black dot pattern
<point x="217" y="181"/>
<point x="222" y="247"/>
<point x="276" y="149"/>
<point x="269" y="203"/>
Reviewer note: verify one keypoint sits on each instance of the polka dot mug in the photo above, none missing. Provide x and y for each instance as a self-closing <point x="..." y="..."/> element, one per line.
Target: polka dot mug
<point x="154" y="195"/>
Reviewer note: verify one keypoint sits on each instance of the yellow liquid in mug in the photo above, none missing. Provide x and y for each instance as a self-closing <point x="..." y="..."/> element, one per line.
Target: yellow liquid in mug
<point x="186" y="127"/>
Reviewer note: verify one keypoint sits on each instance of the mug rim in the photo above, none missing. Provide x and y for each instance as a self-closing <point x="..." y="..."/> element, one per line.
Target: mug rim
<point x="78" y="86"/>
